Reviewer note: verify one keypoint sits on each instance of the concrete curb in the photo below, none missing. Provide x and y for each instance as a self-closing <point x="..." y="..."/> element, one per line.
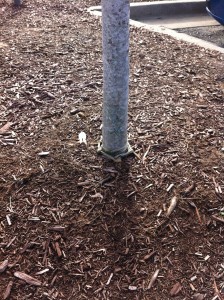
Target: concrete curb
<point x="96" y="10"/>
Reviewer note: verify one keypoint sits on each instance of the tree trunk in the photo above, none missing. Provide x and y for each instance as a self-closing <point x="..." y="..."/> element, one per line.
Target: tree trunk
<point x="115" y="14"/>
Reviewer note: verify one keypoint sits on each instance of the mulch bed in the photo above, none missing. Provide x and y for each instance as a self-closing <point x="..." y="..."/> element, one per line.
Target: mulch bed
<point x="74" y="225"/>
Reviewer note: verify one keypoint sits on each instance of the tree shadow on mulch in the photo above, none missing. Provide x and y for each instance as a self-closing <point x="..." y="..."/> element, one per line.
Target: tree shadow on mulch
<point x="122" y="201"/>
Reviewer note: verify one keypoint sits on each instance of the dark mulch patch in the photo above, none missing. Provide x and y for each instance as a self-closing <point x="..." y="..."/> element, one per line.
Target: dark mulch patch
<point x="85" y="227"/>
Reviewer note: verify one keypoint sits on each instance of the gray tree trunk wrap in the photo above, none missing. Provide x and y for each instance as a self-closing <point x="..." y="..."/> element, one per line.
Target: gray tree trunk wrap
<point x="115" y="19"/>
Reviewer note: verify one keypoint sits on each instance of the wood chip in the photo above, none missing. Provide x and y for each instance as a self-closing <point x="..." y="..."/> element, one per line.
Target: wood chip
<point x="192" y="287"/>
<point x="172" y="206"/>
<point x="57" y="228"/>
<point x="198" y="296"/>
<point x="10" y="243"/>
<point x="218" y="188"/>
<point x="4" y="265"/>
<point x="42" y="272"/>
<point x="146" y="153"/>
<point x="193" y="278"/>
<point x="44" y="153"/>
<point x="50" y="95"/>
<point x="217" y="293"/>
<point x="97" y="195"/>
<point x="221" y="220"/>
<point x="189" y="190"/>
<point x="198" y="215"/>
<point x="5" y="128"/>
<point x="109" y="279"/>
<point x="170" y="187"/>
<point x="15" y="262"/>
<point x="53" y="280"/>
<point x="153" y="279"/>
<point x="58" y="249"/>
<point x="84" y="183"/>
<point x="28" y="279"/>
<point x="8" y="220"/>
<point x="46" y="248"/>
<point x="75" y="111"/>
<point x="28" y="245"/>
<point x="148" y="256"/>
<point x="175" y="289"/>
<point x="8" y="290"/>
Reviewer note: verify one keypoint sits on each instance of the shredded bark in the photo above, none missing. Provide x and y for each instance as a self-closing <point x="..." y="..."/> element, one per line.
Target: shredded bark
<point x="80" y="226"/>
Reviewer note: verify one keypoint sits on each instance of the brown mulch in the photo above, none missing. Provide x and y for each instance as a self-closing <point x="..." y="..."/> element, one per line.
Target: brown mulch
<point x="76" y="226"/>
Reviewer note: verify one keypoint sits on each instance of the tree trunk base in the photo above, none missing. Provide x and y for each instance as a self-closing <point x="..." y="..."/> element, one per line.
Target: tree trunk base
<point x="116" y="157"/>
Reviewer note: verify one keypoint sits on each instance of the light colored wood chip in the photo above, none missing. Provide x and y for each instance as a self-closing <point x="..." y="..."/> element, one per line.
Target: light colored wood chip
<point x="8" y="220"/>
<point x="44" y="153"/>
<point x="192" y="287"/>
<point x="42" y="272"/>
<point x="193" y="278"/>
<point x="8" y="290"/>
<point x="28" y="279"/>
<point x="5" y="128"/>
<point x="175" y="289"/>
<point x="221" y="220"/>
<point x="153" y="279"/>
<point x="109" y="279"/>
<point x="172" y="206"/>
<point x="170" y="187"/>
<point x="10" y="243"/>
<point x="198" y="296"/>
<point x="4" y="265"/>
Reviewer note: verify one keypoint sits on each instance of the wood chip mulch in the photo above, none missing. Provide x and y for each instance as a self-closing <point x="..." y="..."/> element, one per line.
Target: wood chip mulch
<point x="76" y="226"/>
